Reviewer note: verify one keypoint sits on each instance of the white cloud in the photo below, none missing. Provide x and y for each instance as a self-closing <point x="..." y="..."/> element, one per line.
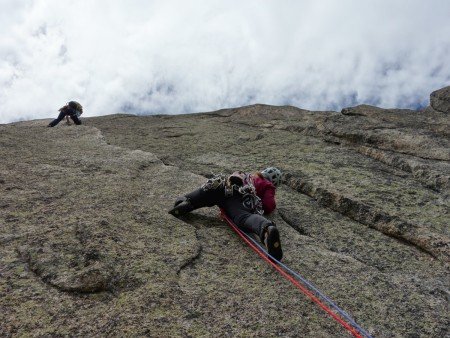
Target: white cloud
<point x="176" y="56"/>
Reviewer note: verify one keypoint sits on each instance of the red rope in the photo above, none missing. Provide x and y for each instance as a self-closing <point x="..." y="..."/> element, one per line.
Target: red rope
<point x="290" y="278"/>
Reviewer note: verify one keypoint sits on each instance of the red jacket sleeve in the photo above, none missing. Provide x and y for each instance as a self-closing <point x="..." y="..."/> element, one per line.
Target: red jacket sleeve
<point x="268" y="200"/>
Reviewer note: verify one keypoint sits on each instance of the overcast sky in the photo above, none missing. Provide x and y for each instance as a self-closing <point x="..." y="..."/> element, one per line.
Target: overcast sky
<point x="148" y="57"/>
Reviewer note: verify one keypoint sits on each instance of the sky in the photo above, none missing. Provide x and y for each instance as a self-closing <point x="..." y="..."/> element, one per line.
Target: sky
<point x="172" y="57"/>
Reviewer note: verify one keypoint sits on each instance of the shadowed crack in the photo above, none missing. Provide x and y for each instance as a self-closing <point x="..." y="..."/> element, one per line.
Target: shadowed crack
<point x="191" y="261"/>
<point x="202" y="221"/>
<point x="291" y="220"/>
<point x="369" y="145"/>
<point x="424" y="173"/>
<point x="294" y="223"/>
<point x="179" y="135"/>
<point x="167" y="161"/>
<point x="198" y="221"/>
<point x="375" y="141"/>
<point x="420" y="237"/>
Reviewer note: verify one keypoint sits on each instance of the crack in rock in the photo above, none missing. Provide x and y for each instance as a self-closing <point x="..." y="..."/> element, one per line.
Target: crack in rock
<point x="191" y="261"/>
<point x="410" y="164"/>
<point x="420" y="237"/>
<point x="293" y="223"/>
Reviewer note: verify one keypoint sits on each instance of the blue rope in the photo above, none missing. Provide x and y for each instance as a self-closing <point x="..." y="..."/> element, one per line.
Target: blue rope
<point x="314" y="289"/>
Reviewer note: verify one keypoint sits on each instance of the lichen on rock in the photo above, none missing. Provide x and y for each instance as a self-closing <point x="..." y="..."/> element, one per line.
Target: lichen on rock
<point x="87" y="247"/>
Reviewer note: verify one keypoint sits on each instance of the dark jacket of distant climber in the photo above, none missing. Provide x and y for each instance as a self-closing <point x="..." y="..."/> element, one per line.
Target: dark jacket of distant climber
<point x="72" y="109"/>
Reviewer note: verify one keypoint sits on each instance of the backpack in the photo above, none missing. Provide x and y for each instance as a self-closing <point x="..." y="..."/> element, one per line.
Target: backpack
<point x="76" y="106"/>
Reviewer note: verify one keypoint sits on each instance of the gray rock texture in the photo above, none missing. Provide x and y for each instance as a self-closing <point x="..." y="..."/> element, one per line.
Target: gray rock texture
<point x="440" y="100"/>
<point x="87" y="247"/>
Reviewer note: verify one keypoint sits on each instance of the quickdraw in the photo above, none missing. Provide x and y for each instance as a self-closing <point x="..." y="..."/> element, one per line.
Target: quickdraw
<point x="240" y="182"/>
<point x="214" y="182"/>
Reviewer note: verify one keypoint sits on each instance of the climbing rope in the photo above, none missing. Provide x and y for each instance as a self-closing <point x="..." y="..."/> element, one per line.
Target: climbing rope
<point x="310" y="290"/>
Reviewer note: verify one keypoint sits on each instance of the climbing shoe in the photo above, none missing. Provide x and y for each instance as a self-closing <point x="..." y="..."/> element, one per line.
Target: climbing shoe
<point x="182" y="206"/>
<point x="272" y="242"/>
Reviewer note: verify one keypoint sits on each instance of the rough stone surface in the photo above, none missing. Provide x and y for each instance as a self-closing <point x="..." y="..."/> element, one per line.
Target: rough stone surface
<point x="87" y="247"/>
<point x="440" y="100"/>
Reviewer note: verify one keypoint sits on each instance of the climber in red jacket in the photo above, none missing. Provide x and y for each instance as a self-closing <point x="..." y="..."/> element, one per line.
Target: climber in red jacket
<point x="245" y="198"/>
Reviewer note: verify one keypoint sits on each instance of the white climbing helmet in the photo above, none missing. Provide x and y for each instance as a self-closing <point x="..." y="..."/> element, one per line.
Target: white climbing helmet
<point x="273" y="175"/>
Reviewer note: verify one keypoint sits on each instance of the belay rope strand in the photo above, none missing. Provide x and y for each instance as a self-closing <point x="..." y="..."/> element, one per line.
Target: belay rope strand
<point x="315" y="295"/>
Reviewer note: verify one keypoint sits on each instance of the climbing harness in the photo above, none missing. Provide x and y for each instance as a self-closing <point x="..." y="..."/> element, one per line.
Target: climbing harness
<point x="239" y="182"/>
<point x="214" y="182"/>
<point x="302" y="284"/>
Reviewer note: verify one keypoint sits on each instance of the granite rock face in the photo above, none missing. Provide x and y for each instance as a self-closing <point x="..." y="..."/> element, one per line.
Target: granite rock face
<point x="440" y="100"/>
<point x="87" y="247"/>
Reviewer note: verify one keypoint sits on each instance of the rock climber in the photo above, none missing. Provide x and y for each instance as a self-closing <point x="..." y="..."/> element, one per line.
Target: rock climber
<point x="72" y="109"/>
<point x="244" y="198"/>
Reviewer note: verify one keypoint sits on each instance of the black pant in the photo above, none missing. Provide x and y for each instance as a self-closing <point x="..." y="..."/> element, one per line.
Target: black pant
<point x="62" y="115"/>
<point x="233" y="206"/>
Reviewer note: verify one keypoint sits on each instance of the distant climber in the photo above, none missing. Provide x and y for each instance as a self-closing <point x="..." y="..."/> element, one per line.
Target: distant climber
<point x="72" y="109"/>
<point x="244" y="198"/>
